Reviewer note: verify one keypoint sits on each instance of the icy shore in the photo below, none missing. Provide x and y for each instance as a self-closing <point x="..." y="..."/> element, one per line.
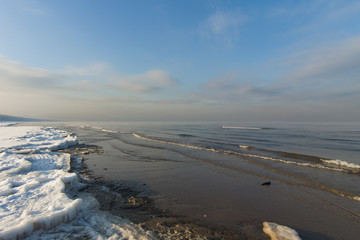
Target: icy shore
<point x="33" y="201"/>
<point x="35" y="183"/>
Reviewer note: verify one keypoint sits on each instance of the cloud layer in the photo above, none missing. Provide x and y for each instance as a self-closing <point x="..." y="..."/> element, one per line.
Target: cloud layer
<point x="317" y="84"/>
<point x="76" y="92"/>
<point x="150" y="81"/>
<point x="18" y="76"/>
<point x="322" y="73"/>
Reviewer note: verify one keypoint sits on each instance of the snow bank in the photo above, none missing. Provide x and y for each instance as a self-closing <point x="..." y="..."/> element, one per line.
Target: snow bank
<point x="90" y="223"/>
<point x="33" y="204"/>
<point x="6" y="124"/>
<point x="32" y="185"/>
<point x="279" y="232"/>
<point x="34" y="139"/>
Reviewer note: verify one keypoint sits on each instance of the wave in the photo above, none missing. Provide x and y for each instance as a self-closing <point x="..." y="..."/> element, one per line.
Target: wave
<point x="167" y="142"/>
<point x="104" y="129"/>
<point x="334" y="167"/>
<point x="185" y="135"/>
<point x="109" y="130"/>
<point x="342" y="163"/>
<point x="251" y="157"/>
<point x="245" y="128"/>
<point x="245" y="147"/>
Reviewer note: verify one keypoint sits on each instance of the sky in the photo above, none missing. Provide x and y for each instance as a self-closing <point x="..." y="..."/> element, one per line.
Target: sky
<point x="180" y="60"/>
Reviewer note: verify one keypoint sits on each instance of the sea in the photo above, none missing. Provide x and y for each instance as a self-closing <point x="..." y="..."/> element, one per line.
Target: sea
<point x="302" y="175"/>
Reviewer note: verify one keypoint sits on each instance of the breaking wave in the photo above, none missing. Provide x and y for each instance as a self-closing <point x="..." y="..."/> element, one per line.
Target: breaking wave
<point x="332" y="165"/>
<point x="254" y="158"/>
<point x="342" y="163"/>
<point x="245" y="128"/>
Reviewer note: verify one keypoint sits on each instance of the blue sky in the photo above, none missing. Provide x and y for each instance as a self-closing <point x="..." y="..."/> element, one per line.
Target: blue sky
<point x="180" y="60"/>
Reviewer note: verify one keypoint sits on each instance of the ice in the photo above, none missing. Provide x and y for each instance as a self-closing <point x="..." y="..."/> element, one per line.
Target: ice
<point x="279" y="232"/>
<point x="32" y="185"/>
<point x="33" y="202"/>
<point x="91" y="223"/>
<point x="6" y="124"/>
<point x="32" y="139"/>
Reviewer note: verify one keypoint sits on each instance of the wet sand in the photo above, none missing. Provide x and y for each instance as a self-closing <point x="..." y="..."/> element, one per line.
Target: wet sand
<point x="179" y="199"/>
<point x="132" y="201"/>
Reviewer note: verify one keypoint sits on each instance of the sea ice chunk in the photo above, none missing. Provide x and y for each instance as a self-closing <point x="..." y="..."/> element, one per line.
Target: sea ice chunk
<point x="279" y="232"/>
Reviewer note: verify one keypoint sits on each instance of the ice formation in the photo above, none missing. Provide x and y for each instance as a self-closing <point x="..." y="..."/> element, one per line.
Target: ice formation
<point x="279" y="232"/>
<point x="33" y="202"/>
<point x="33" y="179"/>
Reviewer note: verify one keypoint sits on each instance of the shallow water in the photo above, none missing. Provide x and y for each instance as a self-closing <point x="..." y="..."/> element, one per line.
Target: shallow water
<point x="214" y="174"/>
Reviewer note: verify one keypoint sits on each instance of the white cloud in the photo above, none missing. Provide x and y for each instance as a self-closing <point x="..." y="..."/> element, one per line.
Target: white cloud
<point x="223" y="25"/>
<point x="18" y="69"/>
<point x="98" y="78"/>
<point x="147" y="82"/>
<point x="75" y="93"/>
<point x="336" y="62"/>
<point x="18" y="76"/>
<point x="314" y="17"/>
<point x="94" y="69"/>
<point x="323" y="74"/>
<point x="222" y="22"/>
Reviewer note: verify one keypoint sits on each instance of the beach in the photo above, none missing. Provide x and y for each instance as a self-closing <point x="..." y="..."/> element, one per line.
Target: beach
<point x="202" y="186"/>
<point x="41" y="195"/>
<point x="181" y="190"/>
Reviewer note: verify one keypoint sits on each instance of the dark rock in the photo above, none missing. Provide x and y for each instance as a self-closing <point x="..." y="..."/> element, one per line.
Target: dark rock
<point x="266" y="183"/>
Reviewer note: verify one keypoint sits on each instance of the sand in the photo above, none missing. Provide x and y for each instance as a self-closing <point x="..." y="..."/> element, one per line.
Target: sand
<point x="185" y="200"/>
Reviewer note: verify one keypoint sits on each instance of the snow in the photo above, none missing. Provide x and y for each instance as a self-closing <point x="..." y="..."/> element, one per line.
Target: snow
<point x="32" y="185"/>
<point x="279" y="232"/>
<point x="90" y="223"/>
<point x="33" y="202"/>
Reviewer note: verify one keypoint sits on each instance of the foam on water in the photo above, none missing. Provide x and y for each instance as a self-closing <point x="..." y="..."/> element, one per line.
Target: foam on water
<point x="303" y="164"/>
<point x="336" y="168"/>
<point x="245" y="128"/>
<point x="342" y="164"/>
<point x="245" y="147"/>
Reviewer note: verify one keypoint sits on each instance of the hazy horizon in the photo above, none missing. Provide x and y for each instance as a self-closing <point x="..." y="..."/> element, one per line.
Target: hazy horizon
<point x="228" y="61"/>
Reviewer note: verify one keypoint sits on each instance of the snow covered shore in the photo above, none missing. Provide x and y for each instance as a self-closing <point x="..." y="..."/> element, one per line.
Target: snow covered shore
<point x="32" y="191"/>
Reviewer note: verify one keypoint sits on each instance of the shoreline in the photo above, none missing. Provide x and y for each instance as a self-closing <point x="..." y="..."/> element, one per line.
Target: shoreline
<point x="253" y="204"/>
<point x="131" y="201"/>
<point x="119" y="175"/>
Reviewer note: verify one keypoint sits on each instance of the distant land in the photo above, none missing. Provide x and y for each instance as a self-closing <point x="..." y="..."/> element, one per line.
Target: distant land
<point x="7" y="118"/>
